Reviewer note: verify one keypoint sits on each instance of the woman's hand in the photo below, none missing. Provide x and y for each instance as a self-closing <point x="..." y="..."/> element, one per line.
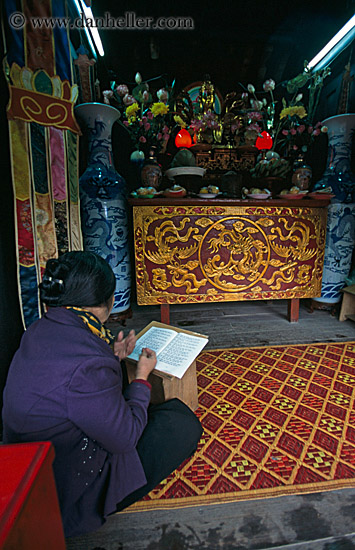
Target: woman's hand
<point x="146" y="363"/>
<point x="122" y="347"/>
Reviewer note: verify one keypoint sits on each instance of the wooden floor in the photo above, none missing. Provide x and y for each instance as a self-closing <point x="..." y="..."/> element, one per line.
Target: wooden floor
<point x="242" y="324"/>
<point x="321" y="521"/>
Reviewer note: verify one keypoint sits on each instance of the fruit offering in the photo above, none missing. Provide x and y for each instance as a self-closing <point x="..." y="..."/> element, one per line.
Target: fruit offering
<point x="293" y="191"/>
<point x="146" y="191"/>
<point x="175" y="191"/>
<point x="275" y="167"/>
<point x="213" y="189"/>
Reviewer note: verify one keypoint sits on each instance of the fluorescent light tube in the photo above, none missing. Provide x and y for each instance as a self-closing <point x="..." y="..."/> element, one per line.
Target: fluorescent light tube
<point x="92" y="33"/>
<point x="93" y="30"/>
<point x="334" y="46"/>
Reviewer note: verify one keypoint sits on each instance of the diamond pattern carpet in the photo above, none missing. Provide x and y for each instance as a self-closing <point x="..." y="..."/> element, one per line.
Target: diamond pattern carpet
<point x="277" y="420"/>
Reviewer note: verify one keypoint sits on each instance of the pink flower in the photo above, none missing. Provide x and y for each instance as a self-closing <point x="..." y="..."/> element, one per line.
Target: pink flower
<point x="159" y="136"/>
<point x="166" y="137"/>
<point x="140" y="123"/>
<point x="269" y="85"/>
<point x="107" y="95"/>
<point x="318" y="124"/>
<point x="144" y="119"/>
<point x="128" y="100"/>
<point x="165" y="129"/>
<point x="295" y="147"/>
<point x="147" y="126"/>
<point x="293" y="132"/>
<point x="122" y="90"/>
<point x="254" y="127"/>
<point x="150" y="115"/>
<point x="255" y="115"/>
<point x="256" y="104"/>
<point x="301" y="128"/>
<point x="316" y="132"/>
<point x="142" y="139"/>
<point x="285" y="132"/>
<point x="145" y="96"/>
<point x="126" y="123"/>
<point x="310" y="129"/>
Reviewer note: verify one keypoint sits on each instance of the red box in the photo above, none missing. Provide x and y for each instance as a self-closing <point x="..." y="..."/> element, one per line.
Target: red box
<point x="29" y="510"/>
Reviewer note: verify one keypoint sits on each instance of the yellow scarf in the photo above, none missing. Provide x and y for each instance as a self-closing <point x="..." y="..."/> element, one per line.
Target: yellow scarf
<point x="93" y="323"/>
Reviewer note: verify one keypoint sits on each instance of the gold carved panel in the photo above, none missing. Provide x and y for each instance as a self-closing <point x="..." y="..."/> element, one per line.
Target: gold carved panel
<point x="226" y="253"/>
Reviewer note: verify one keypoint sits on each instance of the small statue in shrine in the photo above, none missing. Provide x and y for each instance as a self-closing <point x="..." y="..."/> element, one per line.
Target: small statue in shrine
<point x="206" y="95"/>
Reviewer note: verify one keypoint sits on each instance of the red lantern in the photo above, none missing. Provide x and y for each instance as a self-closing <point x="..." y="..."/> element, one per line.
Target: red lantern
<point x="183" y="139"/>
<point x="264" y="141"/>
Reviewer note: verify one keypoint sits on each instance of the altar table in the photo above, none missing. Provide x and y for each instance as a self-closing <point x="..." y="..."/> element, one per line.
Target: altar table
<point x="191" y="250"/>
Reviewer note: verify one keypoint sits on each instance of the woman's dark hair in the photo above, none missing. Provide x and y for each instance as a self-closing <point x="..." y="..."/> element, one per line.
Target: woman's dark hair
<point x="82" y="279"/>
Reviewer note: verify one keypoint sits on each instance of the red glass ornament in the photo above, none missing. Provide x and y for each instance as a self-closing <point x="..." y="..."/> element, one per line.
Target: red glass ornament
<point x="264" y="141"/>
<point x="183" y="139"/>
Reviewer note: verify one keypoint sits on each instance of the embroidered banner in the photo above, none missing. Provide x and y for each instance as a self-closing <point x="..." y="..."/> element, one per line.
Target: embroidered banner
<point x="59" y="187"/>
<point x="26" y="250"/>
<point x="43" y="136"/>
<point x="72" y="149"/>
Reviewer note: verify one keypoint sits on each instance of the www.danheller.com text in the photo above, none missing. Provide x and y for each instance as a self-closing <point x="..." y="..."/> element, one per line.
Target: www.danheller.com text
<point x="175" y="350"/>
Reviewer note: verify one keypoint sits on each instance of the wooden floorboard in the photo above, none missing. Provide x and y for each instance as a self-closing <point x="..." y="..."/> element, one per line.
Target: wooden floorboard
<point x="244" y="324"/>
<point x="322" y="521"/>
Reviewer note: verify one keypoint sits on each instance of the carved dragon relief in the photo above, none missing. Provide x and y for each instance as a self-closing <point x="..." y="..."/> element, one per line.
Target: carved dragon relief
<point x="230" y="254"/>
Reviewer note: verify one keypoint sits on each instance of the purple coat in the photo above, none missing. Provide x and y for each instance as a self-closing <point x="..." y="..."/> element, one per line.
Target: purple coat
<point x="65" y="385"/>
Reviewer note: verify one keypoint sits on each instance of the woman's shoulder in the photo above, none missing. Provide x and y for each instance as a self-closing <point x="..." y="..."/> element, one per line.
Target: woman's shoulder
<point x="63" y="332"/>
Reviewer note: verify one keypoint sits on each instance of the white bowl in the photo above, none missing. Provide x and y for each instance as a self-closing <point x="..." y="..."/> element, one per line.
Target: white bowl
<point x="207" y="195"/>
<point x="259" y="196"/>
<point x="185" y="171"/>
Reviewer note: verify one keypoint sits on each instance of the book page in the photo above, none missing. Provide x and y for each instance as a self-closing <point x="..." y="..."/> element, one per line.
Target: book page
<point x="155" y="338"/>
<point x="177" y="356"/>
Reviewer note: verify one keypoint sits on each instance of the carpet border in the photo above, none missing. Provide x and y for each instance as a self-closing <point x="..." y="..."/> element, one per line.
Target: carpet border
<point x="253" y="494"/>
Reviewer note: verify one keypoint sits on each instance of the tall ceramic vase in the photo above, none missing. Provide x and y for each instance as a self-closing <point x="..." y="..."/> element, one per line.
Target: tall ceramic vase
<point x="339" y="247"/>
<point x="340" y="238"/>
<point x="103" y="199"/>
<point x="338" y="172"/>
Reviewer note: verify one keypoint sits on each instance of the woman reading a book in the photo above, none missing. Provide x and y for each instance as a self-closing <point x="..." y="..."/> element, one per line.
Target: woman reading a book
<point x="66" y="385"/>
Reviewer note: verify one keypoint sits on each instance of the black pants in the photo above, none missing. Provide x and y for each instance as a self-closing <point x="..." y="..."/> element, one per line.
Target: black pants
<point x="171" y="436"/>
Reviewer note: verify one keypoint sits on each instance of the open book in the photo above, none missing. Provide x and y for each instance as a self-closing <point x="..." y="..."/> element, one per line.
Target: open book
<point x="175" y="350"/>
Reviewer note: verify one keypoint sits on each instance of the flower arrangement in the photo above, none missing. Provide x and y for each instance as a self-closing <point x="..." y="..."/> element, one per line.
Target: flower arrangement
<point x="148" y="129"/>
<point x="148" y="122"/>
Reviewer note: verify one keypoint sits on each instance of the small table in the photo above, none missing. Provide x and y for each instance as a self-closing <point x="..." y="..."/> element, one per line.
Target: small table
<point x="166" y="386"/>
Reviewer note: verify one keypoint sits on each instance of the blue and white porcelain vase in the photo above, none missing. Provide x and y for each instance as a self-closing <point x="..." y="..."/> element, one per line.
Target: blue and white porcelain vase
<point x="338" y="173"/>
<point x="340" y="240"/>
<point x="103" y="203"/>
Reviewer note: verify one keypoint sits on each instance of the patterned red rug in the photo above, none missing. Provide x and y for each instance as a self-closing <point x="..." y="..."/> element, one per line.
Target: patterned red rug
<point x="277" y="420"/>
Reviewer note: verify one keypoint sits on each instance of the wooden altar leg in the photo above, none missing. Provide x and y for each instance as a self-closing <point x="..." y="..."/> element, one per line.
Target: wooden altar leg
<point x="165" y="314"/>
<point x="293" y="310"/>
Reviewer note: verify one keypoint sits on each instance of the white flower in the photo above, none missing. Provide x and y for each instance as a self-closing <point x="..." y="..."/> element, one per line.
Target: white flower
<point x="299" y="97"/>
<point x="138" y="78"/>
<point x="250" y="88"/>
